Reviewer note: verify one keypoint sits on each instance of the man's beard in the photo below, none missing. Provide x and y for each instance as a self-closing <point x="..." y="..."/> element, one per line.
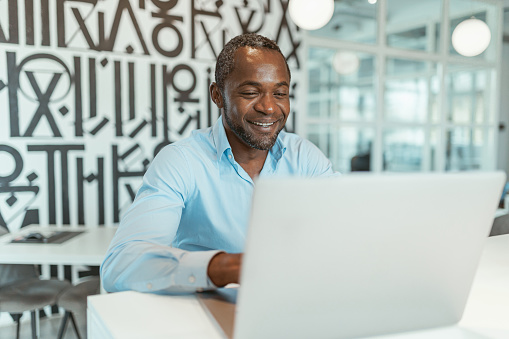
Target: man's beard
<point x="263" y="143"/>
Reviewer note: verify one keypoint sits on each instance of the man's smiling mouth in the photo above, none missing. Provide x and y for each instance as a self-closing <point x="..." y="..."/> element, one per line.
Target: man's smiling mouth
<point x="263" y="124"/>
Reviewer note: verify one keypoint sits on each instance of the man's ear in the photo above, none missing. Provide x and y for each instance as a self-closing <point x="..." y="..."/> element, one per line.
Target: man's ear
<point x="216" y="95"/>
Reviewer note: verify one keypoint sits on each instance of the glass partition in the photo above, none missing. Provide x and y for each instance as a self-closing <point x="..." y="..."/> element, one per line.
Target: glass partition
<point x="403" y="149"/>
<point x="468" y="93"/>
<point x="414" y="24"/>
<point x="411" y="90"/>
<point x="464" y="148"/>
<point x="408" y="102"/>
<point x="348" y="148"/>
<point x="353" y="20"/>
<point x="341" y="85"/>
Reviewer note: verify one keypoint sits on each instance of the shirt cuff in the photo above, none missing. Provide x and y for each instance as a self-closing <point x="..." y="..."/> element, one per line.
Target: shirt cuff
<point x="193" y="270"/>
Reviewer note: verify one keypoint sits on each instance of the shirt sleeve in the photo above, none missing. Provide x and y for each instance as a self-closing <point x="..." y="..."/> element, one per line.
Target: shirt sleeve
<point x="140" y="256"/>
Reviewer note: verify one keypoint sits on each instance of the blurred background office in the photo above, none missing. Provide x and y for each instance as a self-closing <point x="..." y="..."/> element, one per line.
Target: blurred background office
<point x="387" y="85"/>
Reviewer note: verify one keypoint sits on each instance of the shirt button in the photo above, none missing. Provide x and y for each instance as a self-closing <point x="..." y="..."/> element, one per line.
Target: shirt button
<point x="229" y="156"/>
<point x="149" y="286"/>
<point x="191" y="279"/>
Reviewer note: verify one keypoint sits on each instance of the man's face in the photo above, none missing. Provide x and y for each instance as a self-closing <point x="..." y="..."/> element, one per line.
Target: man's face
<point x="256" y="97"/>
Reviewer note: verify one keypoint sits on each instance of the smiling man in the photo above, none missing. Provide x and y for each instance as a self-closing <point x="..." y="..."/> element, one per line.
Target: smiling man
<point x="185" y="230"/>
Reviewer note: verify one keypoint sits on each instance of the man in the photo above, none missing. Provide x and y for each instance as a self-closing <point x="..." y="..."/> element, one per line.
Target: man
<point x="185" y="230"/>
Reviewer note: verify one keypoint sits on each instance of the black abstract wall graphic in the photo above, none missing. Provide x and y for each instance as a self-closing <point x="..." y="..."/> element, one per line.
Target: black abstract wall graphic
<point x="91" y="90"/>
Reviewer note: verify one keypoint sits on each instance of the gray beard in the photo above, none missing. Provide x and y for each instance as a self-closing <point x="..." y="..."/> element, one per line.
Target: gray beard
<point x="264" y="143"/>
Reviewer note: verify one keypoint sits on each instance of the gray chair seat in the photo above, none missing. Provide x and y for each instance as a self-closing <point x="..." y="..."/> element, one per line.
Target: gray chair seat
<point x="75" y="298"/>
<point x="21" y="290"/>
<point x="30" y="294"/>
<point x="74" y="301"/>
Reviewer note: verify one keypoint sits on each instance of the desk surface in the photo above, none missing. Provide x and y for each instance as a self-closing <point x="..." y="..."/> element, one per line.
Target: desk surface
<point x="488" y="304"/>
<point x="136" y="315"/>
<point x="87" y="248"/>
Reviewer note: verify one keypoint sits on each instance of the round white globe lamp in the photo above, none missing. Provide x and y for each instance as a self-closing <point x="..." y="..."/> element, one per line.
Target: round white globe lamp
<point x="471" y="37"/>
<point x="345" y="63"/>
<point x="311" y="14"/>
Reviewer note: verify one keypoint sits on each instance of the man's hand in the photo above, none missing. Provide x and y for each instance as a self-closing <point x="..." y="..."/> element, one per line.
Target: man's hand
<point x="224" y="268"/>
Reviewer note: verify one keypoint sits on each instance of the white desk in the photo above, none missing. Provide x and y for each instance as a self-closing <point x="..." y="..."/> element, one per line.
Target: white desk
<point x="137" y="315"/>
<point x="488" y="304"/>
<point x="88" y="248"/>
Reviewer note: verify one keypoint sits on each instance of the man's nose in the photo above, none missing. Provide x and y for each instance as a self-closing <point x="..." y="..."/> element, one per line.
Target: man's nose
<point x="266" y="104"/>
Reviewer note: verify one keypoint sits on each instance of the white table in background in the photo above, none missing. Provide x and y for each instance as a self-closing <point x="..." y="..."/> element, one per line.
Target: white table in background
<point x="88" y="248"/>
<point x="136" y="315"/>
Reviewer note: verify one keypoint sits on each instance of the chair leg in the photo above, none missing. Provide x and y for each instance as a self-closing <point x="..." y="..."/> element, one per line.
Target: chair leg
<point x="16" y="317"/>
<point x="63" y="325"/>
<point x="34" y="327"/>
<point x="75" y="326"/>
<point x="17" y="329"/>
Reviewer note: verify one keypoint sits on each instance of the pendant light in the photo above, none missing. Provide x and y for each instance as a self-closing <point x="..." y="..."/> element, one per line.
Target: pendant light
<point x="471" y="37"/>
<point x="311" y="14"/>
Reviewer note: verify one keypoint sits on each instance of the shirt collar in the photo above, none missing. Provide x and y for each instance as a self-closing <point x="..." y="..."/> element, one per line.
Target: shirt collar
<point x="279" y="147"/>
<point x="222" y="144"/>
<point x="220" y="139"/>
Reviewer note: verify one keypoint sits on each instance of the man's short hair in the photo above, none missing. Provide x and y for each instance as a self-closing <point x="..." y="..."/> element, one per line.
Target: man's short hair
<point x="225" y="60"/>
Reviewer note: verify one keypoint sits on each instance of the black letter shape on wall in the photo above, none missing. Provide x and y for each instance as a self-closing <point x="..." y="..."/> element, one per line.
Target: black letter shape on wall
<point x="118" y="174"/>
<point x="168" y="20"/>
<point x="107" y="44"/>
<point x="99" y="177"/>
<point x="42" y="97"/>
<point x="31" y="215"/>
<point x="13" y="24"/>
<point x="284" y="24"/>
<point x="81" y="23"/>
<point x="245" y="24"/>
<point x="194" y="14"/>
<point x="50" y="151"/>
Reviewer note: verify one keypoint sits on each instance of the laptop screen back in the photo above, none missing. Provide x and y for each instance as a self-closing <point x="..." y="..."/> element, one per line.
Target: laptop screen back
<point x="362" y="255"/>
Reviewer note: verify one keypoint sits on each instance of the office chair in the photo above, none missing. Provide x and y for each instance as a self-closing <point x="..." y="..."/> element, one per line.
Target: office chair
<point x="500" y="225"/>
<point x="74" y="301"/>
<point x="21" y="290"/>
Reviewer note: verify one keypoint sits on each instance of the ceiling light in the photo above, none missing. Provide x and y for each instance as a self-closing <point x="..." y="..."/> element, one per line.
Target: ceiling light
<point x="345" y="62"/>
<point x="372" y="1"/>
<point x="311" y="15"/>
<point x="471" y="37"/>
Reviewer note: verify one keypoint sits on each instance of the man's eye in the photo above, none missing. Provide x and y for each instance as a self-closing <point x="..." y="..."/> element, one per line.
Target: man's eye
<point x="248" y="93"/>
<point x="281" y="95"/>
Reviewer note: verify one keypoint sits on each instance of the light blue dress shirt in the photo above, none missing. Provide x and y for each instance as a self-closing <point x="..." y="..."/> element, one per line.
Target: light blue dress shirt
<point x="194" y="202"/>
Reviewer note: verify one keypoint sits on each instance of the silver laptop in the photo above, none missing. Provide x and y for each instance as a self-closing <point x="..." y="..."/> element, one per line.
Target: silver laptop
<point x="359" y="255"/>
